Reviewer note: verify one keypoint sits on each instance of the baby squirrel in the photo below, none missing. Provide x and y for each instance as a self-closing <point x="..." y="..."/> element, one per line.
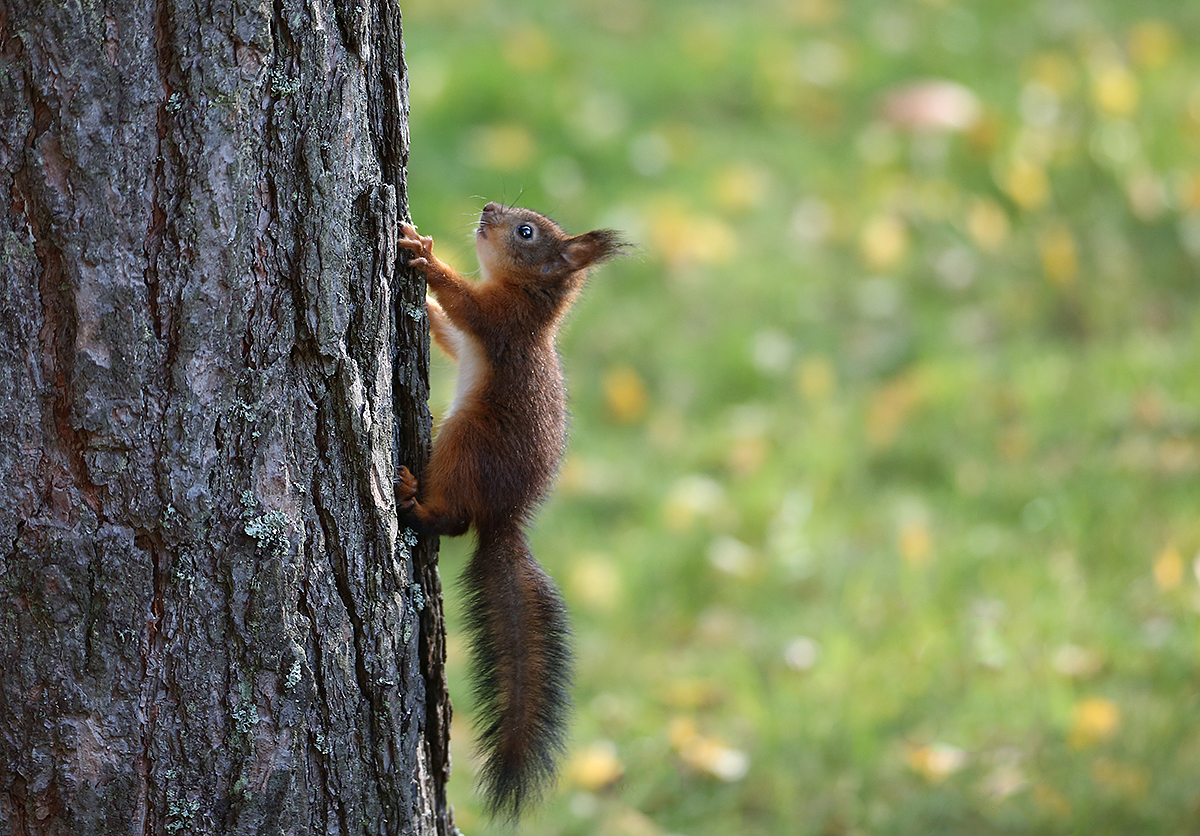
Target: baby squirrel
<point x="495" y="455"/>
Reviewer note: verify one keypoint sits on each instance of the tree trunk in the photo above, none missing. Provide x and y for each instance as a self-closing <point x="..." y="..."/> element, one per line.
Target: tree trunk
<point x="210" y="619"/>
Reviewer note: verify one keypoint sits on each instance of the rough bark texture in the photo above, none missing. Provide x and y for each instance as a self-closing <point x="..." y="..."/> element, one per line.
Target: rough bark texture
<point x="210" y="621"/>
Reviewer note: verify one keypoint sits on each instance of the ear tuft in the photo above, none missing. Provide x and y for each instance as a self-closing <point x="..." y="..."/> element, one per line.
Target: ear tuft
<point x="592" y="248"/>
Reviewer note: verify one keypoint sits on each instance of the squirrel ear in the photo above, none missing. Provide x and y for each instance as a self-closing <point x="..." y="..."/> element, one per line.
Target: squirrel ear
<point x="592" y="248"/>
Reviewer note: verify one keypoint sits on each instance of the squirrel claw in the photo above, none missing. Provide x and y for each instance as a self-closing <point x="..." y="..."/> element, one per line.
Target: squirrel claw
<point x="410" y="239"/>
<point x="406" y="489"/>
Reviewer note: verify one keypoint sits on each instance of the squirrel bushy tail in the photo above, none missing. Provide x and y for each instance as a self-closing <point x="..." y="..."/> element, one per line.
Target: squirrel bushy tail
<point x="521" y="659"/>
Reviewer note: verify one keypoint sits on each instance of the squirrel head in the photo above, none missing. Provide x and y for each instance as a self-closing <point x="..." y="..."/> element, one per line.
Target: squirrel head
<point x="527" y="248"/>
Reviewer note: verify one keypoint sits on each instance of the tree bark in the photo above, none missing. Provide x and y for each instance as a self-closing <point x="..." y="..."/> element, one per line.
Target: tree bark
<point x="210" y="364"/>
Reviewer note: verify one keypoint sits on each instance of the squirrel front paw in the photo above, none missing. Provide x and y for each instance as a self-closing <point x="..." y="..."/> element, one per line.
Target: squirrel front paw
<point x="406" y="489"/>
<point x="420" y="245"/>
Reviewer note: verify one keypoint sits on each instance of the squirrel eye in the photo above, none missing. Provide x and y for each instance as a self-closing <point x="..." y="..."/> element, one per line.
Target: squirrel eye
<point x="525" y="231"/>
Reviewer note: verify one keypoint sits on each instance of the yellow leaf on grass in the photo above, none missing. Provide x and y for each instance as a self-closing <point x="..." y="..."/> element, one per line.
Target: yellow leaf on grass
<point x="1147" y="194"/>
<point x="707" y="754"/>
<point x="625" y="394"/>
<point x="936" y="761"/>
<point x="1115" y="91"/>
<point x="915" y="544"/>
<point x="817" y="12"/>
<point x="1013" y="443"/>
<point x="1056" y="70"/>
<point x="816" y="378"/>
<point x="1121" y="779"/>
<point x="1168" y="568"/>
<point x="890" y="407"/>
<point x="626" y="821"/>
<point x="1152" y="43"/>
<point x="1026" y="183"/>
<point x="988" y="224"/>
<point x="691" y="694"/>
<point x="528" y="49"/>
<point x="741" y="187"/>
<point x="596" y="767"/>
<point x="1051" y="800"/>
<point x="1093" y="720"/>
<point x="883" y="242"/>
<point x="504" y="146"/>
<point x="596" y="583"/>
<point x="747" y="454"/>
<point x="1186" y="187"/>
<point x="685" y="239"/>
<point x="1060" y="259"/>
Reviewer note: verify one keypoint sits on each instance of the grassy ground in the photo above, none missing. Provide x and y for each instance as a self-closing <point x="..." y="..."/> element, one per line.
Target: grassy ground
<point x="881" y="511"/>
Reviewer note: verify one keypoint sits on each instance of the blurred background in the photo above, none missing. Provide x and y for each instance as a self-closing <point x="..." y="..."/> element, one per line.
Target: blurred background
<point x="880" y="514"/>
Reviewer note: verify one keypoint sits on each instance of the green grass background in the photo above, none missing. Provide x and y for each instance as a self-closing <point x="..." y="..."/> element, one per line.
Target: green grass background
<point x="881" y="509"/>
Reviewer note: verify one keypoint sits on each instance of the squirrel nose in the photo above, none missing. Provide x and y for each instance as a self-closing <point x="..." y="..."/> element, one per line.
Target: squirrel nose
<point x="491" y="208"/>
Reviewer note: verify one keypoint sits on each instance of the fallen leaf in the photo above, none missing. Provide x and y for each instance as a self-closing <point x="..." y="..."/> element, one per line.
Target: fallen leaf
<point x="936" y="761"/>
<point x="1115" y="91"/>
<point x="625" y="394"/>
<point x="1168" y="568"/>
<point x="596" y="767"/>
<point x="883" y="242"/>
<point x="708" y="754"/>
<point x="1093" y="720"/>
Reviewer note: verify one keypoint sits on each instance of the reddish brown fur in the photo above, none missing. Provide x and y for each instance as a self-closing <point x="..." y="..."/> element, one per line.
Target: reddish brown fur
<point x="493" y="460"/>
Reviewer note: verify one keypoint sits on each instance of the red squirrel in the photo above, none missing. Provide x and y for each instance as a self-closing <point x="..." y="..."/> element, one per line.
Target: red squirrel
<point x="494" y="458"/>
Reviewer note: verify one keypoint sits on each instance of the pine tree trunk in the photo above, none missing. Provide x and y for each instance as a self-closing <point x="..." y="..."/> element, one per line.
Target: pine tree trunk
<point x="210" y="364"/>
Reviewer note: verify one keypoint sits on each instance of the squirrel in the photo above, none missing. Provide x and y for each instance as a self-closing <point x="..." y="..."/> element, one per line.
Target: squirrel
<point x="494" y="457"/>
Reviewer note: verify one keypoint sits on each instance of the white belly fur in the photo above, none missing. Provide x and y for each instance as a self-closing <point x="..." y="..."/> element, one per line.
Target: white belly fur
<point x="471" y="368"/>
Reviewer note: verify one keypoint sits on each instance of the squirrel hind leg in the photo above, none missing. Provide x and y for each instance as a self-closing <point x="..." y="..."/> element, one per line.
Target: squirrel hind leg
<point x="406" y="489"/>
<point x="431" y="514"/>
